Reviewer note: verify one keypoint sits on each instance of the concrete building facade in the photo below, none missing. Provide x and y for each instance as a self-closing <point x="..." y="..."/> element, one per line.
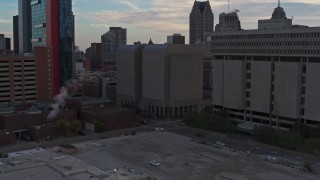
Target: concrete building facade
<point x="172" y="80"/>
<point x="200" y="21"/>
<point x="268" y="76"/>
<point x="129" y="75"/>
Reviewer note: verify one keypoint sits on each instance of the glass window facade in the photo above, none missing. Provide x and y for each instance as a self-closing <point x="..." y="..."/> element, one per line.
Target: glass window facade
<point x="38" y="17"/>
<point x="66" y="39"/>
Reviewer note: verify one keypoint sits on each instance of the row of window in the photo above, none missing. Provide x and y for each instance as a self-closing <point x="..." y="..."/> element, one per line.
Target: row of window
<point x="271" y="35"/>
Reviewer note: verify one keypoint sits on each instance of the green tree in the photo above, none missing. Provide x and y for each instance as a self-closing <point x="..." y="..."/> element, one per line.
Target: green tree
<point x="62" y="124"/>
<point x="75" y="126"/>
<point x="100" y="124"/>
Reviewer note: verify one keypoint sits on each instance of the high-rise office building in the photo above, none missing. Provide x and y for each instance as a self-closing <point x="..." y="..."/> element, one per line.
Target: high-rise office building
<point x="52" y="26"/>
<point x="8" y="44"/>
<point x="176" y="39"/>
<point x="93" y="53"/>
<point x="5" y="44"/>
<point x="164" y="80"/>
<point x="268" y="76"/>
<point x="201" y="21"/>
<point x="111" y="40"/>
<point x="228" y="22"/>
<point x="16" y="34"/>
<point x="129" y="75"/>
<point x="25" y="28"/>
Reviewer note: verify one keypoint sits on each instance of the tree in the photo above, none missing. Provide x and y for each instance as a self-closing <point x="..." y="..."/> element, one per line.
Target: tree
<point x="75" y="126"/>
<point x="62" y="124"/>
<point x="100" y="124"/>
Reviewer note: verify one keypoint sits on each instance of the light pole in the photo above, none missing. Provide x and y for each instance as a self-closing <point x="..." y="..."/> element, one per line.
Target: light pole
<point x="115" y="170"/>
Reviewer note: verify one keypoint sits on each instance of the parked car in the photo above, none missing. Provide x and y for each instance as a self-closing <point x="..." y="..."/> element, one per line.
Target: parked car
<point x="199" y="135"/>
<point x="155" y="163"/>
<point x="143" y="122"/>
<point x="220" y="143"/>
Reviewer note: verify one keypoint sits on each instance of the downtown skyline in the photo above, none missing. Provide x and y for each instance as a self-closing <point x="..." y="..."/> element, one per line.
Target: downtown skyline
<point x="156" y="19"/>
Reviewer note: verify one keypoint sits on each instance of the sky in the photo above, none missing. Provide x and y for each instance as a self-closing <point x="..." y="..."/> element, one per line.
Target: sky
<point x="145" y="19"/>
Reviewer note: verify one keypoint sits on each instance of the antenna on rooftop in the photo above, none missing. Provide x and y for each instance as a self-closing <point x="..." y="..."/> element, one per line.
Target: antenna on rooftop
<point x="228" y="5"/>
<point x="278" y="3"/>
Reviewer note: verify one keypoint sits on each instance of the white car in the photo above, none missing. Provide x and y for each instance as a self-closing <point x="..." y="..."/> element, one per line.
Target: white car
<point x="220" y="143"/>
<point x="155" y="163"/>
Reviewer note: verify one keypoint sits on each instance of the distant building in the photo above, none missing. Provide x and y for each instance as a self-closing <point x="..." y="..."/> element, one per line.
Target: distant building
<point x="8" y="44"/>
<point x="176" y="39"/>
<point x="268" y="76"/>
<point x="129" y="75"/>
<point x="2" y="42"/>
<point x="201" y="21"/>
<point x="164" y="80"/>
<point x="5" y="45"/>
<point x="26" y="79"/>
<point x="52" y="26"/>
<point x="277" y="21"/>
<point x="111" y="40"/>
<point x="172" y="80"/>
<point x="25" y="26"/>
<point x="228" y="22"/>
<point x="16" y="34"/>
<point x="94" y="54"/>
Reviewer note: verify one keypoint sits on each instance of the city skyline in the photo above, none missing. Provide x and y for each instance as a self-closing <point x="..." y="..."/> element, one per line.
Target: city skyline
<point x="159" y="18"/>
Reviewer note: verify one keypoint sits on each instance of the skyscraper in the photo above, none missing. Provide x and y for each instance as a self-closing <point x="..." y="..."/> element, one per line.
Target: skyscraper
<point x="93" y="53"/>
<point x="201" y="21"/>
<point x="16" y="34"/>
<point x="111" y="40"/>
<point x="228" y="22"/>
<point x="176" y="39"/>
<point x="52" y="26"/>
<point x="25" y="28"/>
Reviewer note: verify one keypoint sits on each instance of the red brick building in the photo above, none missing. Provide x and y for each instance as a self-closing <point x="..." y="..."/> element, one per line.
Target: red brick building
<point x="26" y="79"/>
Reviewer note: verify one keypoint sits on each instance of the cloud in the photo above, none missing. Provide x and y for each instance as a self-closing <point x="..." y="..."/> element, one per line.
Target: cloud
<point x="164" y="17"/>
<point x="5" y="21"/>
<point x="99" y="26"/>
<point x="133" y="6"/>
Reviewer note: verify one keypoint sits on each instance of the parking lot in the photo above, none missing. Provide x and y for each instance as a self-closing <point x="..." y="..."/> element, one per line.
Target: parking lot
<point x="180" y="158"/>
<point x="129" y="158"/>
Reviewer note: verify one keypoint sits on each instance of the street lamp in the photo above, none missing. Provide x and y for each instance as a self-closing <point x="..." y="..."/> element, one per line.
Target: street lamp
<point x="115" y="170"/>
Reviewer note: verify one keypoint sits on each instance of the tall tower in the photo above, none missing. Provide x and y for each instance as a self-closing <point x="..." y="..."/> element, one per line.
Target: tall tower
<point x="24" y="26"/>
<point x="201" y="21"/>
<point x="229" y="22"/>
<point x="52" y="26"/>
<point x="115" y="37"/>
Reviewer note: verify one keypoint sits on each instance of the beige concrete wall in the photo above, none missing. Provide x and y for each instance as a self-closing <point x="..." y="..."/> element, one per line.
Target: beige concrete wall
<point x="260" y="86"/>
<point x="185" y="79"/>
<point x="172" y="75"/>
<point x="217" y="82"/>
<point x="287" y="89"/>
<point x="129" y="72"/>
<point x="312" y="98"/>
<point x="234" y="84"/>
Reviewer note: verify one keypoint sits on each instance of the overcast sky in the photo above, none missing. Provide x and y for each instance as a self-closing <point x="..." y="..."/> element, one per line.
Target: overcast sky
<point x="156" y="19"/>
